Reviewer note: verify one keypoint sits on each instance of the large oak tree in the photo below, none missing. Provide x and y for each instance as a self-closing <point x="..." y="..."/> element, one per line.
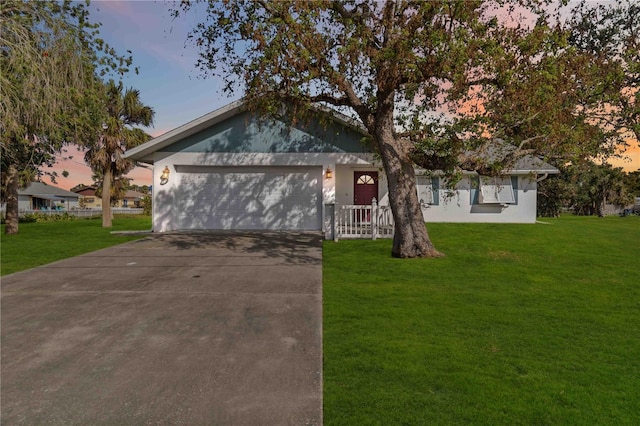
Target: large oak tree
<point x="432" y="82"/>
<point x="571" y="96"/>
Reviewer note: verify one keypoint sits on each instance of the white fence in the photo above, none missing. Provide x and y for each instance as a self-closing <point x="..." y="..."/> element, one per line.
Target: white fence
<point x="363" y="221"/>
<point x="81" y="212"/>
<point x="126" y="210"/>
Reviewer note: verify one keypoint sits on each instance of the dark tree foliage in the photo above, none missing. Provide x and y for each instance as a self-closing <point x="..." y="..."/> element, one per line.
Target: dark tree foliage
<point x="610" y="38"/>
<point x="593" y="186"/>
<point x="633" y="183"/>
<point x="586" y="189"/>
<point x="552" y="196"/>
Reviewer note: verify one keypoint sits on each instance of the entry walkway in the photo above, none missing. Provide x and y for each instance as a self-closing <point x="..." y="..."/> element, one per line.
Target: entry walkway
<point x="197" y="328"/>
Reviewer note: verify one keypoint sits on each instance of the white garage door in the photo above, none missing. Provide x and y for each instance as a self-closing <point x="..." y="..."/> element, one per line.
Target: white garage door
<point x="267" y="197"/>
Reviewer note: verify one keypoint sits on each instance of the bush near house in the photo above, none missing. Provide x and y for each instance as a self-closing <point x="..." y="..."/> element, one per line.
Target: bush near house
<point x="44" y="217"/>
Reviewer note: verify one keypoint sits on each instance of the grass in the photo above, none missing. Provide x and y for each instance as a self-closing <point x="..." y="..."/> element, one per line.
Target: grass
<point x="518" y="324"/>
<point x="41" y="243"/>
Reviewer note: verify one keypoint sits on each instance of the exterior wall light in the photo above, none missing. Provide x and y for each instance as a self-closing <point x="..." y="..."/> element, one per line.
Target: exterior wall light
<point x="328" y="173"/>
<point x="164" y="177"/>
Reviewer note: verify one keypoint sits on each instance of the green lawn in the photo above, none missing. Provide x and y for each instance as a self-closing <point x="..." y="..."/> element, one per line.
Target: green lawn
<point x="518" y="324"/>
<point x="41" y="243"/>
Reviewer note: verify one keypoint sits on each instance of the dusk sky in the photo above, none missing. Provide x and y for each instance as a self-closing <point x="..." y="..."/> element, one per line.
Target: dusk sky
<point x="168" y="80"/>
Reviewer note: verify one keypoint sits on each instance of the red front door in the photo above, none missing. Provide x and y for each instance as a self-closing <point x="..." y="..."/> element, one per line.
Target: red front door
<point x="365" y="187"/>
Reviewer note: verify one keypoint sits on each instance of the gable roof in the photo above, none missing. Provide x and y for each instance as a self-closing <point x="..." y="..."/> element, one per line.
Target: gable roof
<point x="134" y="194"/>
<point x="42" y="190"/>
<point x="85" y="190"/>
<point x="531" y="164"/>
<point x="498" y="150"/>
<point x="90" y="191"/>
<point x="144" y="152"/>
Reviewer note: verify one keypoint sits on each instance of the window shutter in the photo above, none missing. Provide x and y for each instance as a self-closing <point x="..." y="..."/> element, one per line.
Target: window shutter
<point x="435" y="190"/>
<point x="497" y="190"/>
<point x="474" y="189"/>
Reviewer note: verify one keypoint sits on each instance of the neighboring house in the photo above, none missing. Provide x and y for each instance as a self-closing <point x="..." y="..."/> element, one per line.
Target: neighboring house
<point x="88" y="196"/>
<point x="90" y="200"/>
<point x="227" y="170"/>
<point x="40" y="196"/>
<point x="131" y="199"/>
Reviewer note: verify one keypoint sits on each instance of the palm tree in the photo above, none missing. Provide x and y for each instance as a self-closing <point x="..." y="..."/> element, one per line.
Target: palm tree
<point x="123" y="110"/>
<point x="119" y="186"/>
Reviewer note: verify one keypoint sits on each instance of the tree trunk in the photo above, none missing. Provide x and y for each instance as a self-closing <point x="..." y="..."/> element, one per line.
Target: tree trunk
<point x="106" y="198"/>
<point x="602" y="206"/>
<point x="13" y="183"/>
<point x="411" y="238"/>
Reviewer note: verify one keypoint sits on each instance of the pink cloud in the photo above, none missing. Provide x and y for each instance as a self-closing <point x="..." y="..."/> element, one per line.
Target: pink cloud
<point x="118" y="7"/>
<point x="158" y="132"/>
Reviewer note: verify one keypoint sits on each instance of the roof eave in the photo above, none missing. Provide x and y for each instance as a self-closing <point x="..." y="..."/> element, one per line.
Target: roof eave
<point x="506" y="172"/>
<point x="145" y="151"/>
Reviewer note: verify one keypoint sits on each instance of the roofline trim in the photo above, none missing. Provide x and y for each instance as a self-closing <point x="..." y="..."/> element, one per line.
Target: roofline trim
<point x="141" y="152"/>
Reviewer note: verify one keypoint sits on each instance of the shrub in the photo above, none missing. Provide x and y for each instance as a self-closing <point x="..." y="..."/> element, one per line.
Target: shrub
<point x="145" y="203"/>
<point x="44" y="217"/>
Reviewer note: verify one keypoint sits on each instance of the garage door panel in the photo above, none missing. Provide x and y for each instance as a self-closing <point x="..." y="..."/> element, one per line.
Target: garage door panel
<point x="273" y="199"/>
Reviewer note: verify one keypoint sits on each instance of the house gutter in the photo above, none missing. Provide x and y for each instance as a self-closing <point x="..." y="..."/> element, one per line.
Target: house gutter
<point x="544" y="176"/>
<point x="144" y="165"/>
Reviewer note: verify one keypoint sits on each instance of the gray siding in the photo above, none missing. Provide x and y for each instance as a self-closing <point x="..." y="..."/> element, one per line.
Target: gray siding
<point x="244" y="134"/>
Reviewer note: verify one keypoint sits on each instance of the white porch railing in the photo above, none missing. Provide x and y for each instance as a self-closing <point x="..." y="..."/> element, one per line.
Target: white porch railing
<point x="363" y="221"/>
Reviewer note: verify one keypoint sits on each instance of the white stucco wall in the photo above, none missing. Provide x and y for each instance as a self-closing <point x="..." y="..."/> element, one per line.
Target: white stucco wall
<point x="163" y="194"/>
<point x="339" y="188"/>
<point x="459" y="208"/>
<point x="456" y="208"/>
<point x="24" y="202"/>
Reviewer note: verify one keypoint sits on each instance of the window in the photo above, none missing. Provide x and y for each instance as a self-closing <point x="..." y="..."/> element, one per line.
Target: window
<point x="428" y="190"/>
<point x="89" y="199"/>
<point x="496" y="190"/>
<point x="365" y="180"/>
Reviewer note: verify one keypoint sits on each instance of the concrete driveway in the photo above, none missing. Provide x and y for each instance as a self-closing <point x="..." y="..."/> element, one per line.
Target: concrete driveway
<point x="197" y="328"/>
